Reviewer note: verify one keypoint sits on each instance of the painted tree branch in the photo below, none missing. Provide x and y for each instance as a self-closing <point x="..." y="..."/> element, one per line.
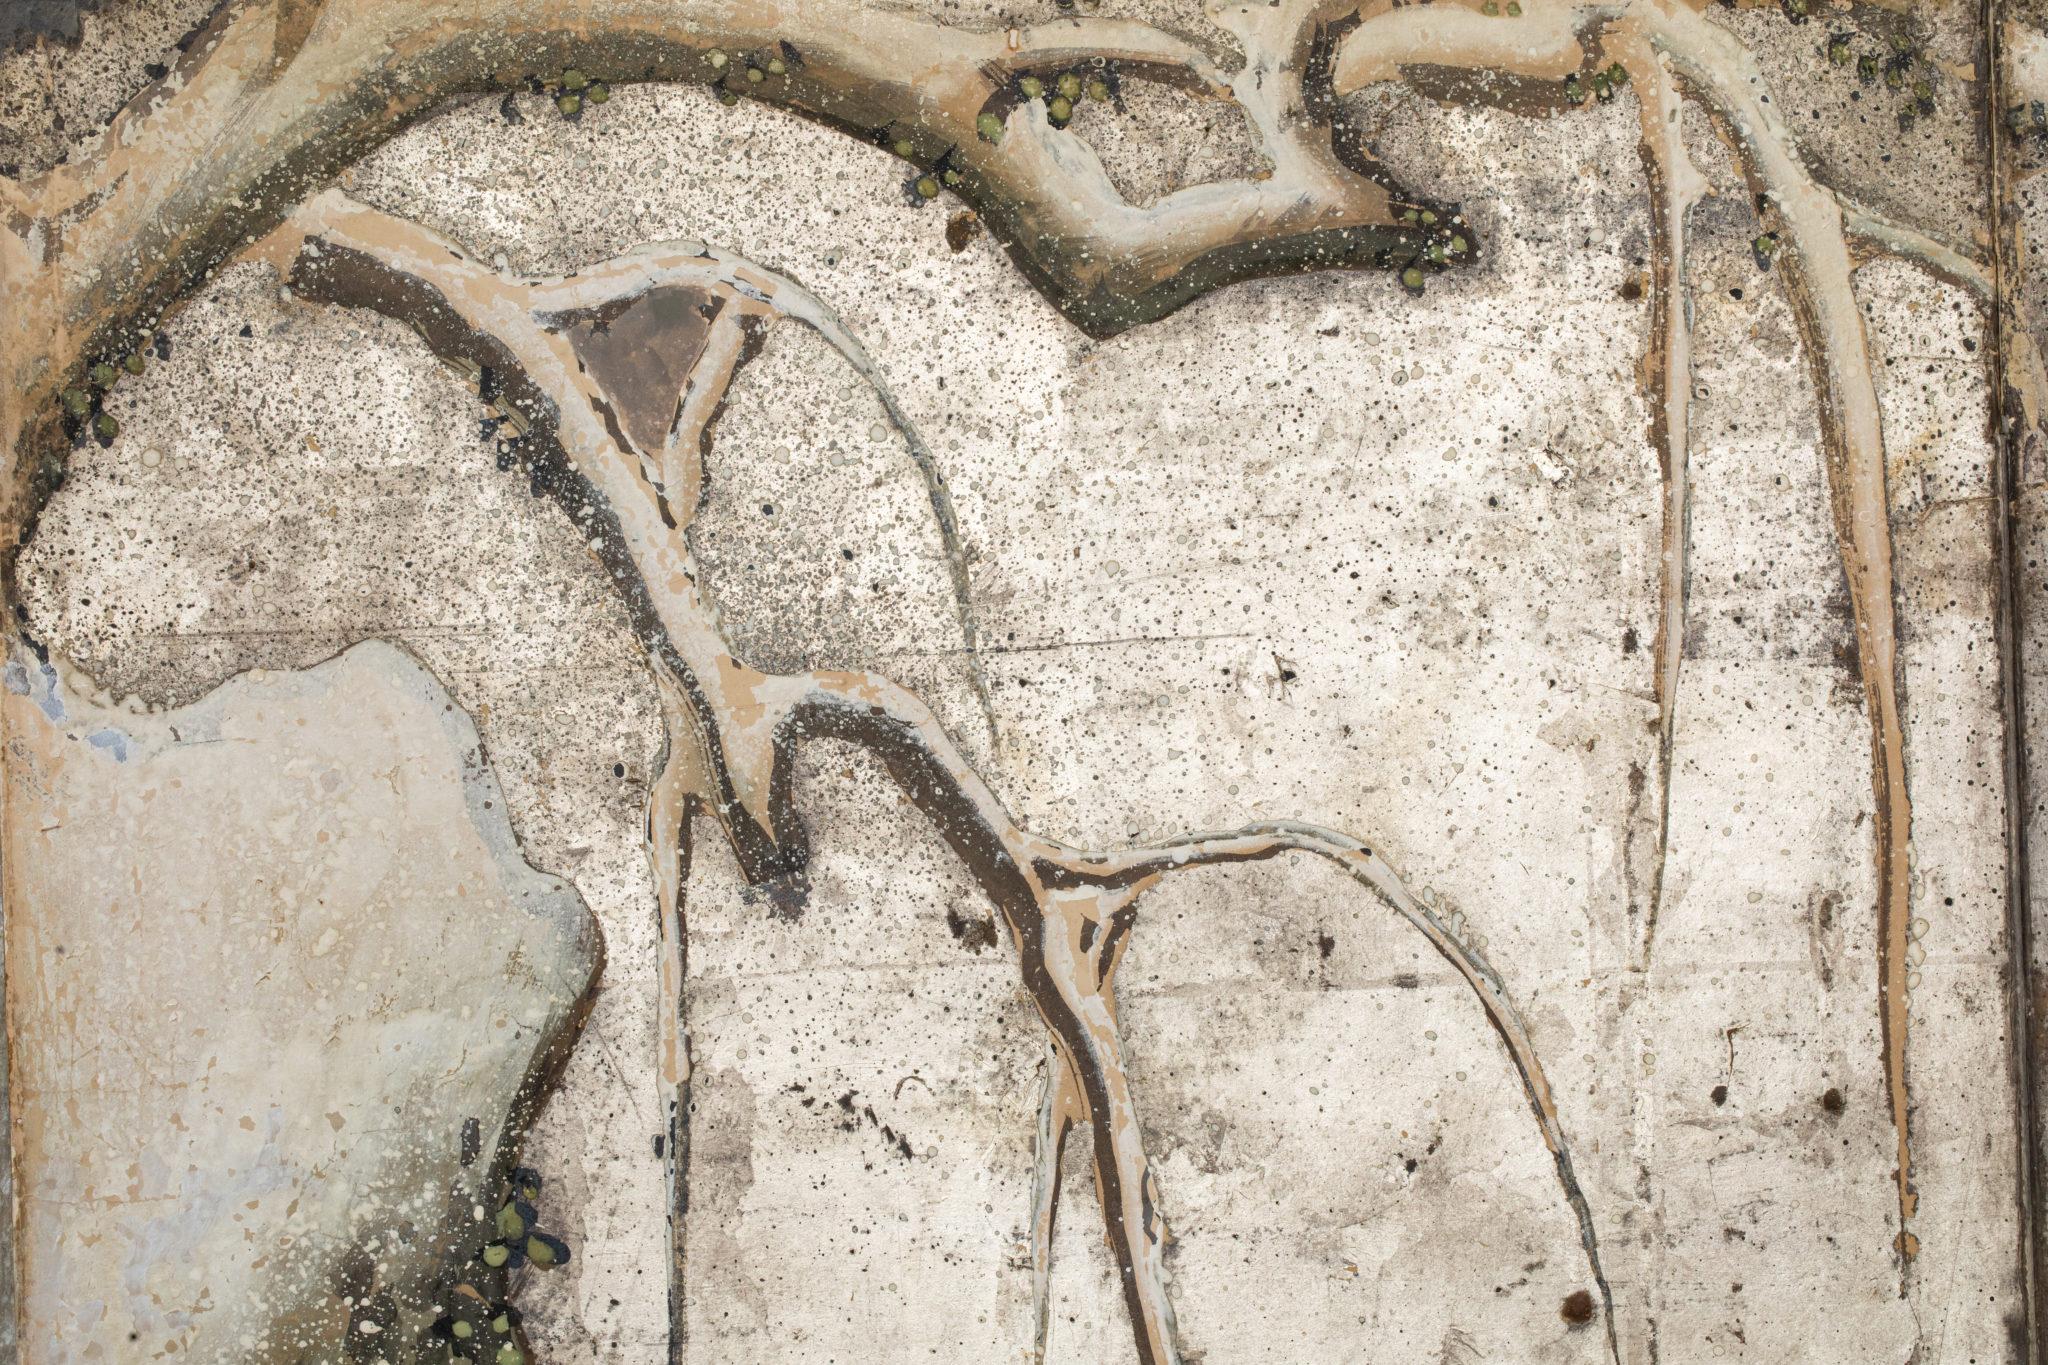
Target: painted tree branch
<point x="1819" y="274"/>
<point x="1675" y="186"/>
<point x="274" y="96"/>
<point x="735" y="732"/>
<point x="1716" y="68"/>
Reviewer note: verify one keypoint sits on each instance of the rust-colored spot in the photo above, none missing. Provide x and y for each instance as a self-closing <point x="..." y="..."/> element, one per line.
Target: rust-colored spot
<point x="961" y="229"/>
<point x="1578" y="1308"/>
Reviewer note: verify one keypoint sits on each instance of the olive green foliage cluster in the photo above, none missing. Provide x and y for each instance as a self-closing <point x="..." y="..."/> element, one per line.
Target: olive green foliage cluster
<point x="85" y="414"/>
<point x="1065" y="90"/>
<point x="1897" y="61"/>
<point x="752" y="71"/>
<point x="1444" y="243"/>
<point x="573" y="90"/>
<point x="1899" y="64"/>
<point x="1061" y="92"/>
<point x="1764" y="248"/>
<point x="476" y="1321"/>
<point x="1603" y="85"/>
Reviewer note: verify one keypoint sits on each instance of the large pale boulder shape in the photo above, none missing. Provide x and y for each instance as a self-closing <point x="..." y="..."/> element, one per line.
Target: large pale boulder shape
<point x="282" y="991"/>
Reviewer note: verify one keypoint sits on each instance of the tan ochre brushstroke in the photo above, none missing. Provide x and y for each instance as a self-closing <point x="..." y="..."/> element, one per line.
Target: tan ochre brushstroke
<point x="1818" y="272"/>
<point x="1675" y="186"/>
<point x="1059" y="1109"/>
<point x="1714" y="67"/>
<point x="734" y="731"/>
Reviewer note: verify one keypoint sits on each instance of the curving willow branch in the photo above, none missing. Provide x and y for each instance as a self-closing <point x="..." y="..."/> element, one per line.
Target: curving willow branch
<point x="1711" y="64"/>
<point x="1819" y="273"/>
<point x="734" y="732"/>
<point x="273" y="97"/>
<point x="1675" y="186"/>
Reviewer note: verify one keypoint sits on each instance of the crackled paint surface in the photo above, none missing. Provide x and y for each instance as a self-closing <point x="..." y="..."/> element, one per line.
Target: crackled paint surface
<point x="1226" y="682"/>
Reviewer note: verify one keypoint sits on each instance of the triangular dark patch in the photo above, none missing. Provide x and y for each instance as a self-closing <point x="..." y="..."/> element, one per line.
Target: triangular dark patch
<point x="639" y="351"/>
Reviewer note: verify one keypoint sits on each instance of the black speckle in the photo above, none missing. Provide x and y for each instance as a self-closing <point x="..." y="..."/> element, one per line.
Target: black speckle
<point x="973" y="934"/>
<point x="1719" y="1095"/>
<point x="1832" y="1101"/>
